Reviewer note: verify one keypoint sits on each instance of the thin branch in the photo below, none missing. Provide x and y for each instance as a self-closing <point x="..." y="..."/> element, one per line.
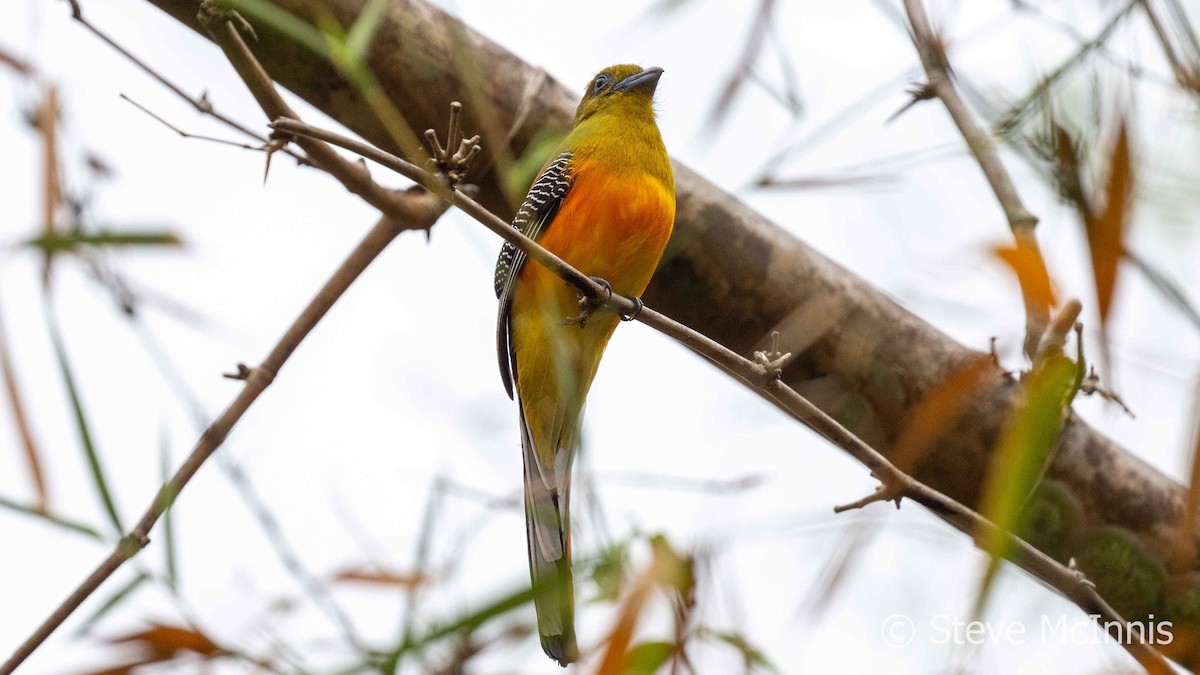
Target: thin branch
<point x="184" y="134"/>
<point x="402" y="211"/>
<point x="939" y="83"/>
<point x="763" y="376"/>
<point x="353" y="176"/>
<point x="200" y="103"/>
<point x="256" y="382"/>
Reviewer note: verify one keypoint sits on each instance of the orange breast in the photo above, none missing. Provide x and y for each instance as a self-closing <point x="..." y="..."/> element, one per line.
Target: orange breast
<point x="612" y="225"/>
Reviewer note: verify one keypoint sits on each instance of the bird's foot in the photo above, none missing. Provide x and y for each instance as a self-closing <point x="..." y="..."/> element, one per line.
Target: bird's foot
<point x="637" y="309"/>
<point x="589" y="305"/>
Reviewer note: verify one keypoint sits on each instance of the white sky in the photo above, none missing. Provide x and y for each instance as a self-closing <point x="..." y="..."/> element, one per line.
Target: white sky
<point x="398" y="385"/>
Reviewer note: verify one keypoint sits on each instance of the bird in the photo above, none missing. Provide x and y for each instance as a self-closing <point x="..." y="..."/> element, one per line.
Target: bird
<point x="605" y="203"/>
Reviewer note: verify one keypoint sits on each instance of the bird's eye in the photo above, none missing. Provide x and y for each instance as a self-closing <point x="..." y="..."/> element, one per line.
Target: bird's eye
<point x="601" y="82"/>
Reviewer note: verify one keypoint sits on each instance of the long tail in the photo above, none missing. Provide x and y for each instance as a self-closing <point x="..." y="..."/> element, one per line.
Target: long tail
<point x="548" y="531"/>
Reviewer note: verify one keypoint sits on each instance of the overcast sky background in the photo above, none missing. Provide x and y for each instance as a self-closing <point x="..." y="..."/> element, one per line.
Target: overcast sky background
<point x="398" y="385"/>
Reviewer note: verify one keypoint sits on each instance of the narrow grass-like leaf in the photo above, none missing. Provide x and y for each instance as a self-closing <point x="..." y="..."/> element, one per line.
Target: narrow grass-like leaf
<point x="645" y="658"/>
<point x="73" y="241"/>
<point x="170" y="555"/>
<point x="47" y="125"/>
<point x="300" y="31"/>
<point x="467" y="623"/>
<point x="34" y="511"/>
<point x="111" y="603"/>
<point x="1028" y="437"/>
<point x="16" y="404"/>
<point x="81" y="424"/>
<point x="1106" y="229"/>
<point x="362" y="33"/>
<point x="381" y="577"/>
<point x="752" y="657"/>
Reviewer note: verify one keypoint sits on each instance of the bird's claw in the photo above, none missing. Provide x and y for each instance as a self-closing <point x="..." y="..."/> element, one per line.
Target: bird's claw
<point x="637" y="309"/>
<point x="588" y="306"/>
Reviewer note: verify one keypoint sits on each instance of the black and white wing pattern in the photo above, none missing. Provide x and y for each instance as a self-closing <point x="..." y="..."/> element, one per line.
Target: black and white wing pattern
<point x="535" y="214"/>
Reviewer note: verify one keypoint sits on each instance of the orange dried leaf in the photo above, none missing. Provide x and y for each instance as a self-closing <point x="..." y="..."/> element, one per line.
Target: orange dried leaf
<point x="17" y="407"/>
<point x="1026" y="261"/>
<point x="166" y="642"/>
<point x="937" y="411"/>
<point x="1105" y="231"/>
<point x="668" y="569"/>
<point x="382" y="578"/>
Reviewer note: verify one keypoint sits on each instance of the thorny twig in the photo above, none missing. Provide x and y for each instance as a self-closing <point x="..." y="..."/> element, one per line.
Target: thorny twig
<point x="940" y="83"/>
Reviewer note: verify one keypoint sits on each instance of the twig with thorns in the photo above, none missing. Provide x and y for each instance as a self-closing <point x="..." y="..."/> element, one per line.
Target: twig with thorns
<point x="452" y="166"/>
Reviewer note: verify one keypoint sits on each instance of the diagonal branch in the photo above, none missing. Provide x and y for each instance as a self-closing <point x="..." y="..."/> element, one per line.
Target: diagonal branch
<point x="1022" y="223"/>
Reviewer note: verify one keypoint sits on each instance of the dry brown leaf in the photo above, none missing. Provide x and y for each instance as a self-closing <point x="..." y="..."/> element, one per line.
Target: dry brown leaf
<point x="382" y="577"/>
<point x="1106" y="227"/>
<point x="937" y="411"/>
<point x="1026" y="261"/>
<point x="164" y="643"/>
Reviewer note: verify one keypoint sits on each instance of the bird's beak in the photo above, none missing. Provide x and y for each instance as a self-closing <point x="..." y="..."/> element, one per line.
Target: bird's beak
<point x="647" y="79"/>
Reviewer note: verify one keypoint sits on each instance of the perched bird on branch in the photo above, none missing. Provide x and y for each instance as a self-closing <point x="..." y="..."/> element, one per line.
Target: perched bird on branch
<point x="605" y="204"/>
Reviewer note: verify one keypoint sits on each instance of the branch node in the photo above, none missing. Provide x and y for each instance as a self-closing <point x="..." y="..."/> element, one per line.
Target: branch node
<point x="450" y="161"/>
<point x="132" y="543"/>
<point x="243" y="373"/>
<point x="1078" y="574"/>
<point x="882" y="493"/>
<point x="772" y="362"/>
<point x="211" y="14"/>
<point x="1091" y="385"/>
<point x="1054" y="337"/>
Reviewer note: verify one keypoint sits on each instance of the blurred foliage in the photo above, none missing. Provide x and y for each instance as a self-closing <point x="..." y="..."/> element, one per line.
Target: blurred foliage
<point x="1088" y="159"/>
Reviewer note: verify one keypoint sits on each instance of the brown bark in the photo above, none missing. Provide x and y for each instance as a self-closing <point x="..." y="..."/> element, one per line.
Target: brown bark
<point x="735" y="276"/>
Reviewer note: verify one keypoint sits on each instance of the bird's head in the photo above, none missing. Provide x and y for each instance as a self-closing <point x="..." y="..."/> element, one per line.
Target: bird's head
<point x="624" y="87"/>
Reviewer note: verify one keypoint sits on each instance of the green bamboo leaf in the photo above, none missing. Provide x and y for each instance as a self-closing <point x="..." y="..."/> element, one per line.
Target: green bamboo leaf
<point x="462" y="626"/>
<point x="1028" y="437"/>
<point x="169" y="548"/>
<point x="72" y="525"/>
<point x="81" y="423"/>
<point x="56" y="242"/>
<point x="292" y="26"/>
<point x="111" y="604"/>
<point x="752" y="657"/>
<point x="362" y="33"/>
<point x="646" y="658"/>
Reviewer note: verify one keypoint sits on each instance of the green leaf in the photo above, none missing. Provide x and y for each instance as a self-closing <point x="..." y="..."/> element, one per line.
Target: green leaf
<point x="647" y="657"/>
<point x="470" y="622"/>
<point x="70" y="242"/>
<point x="292" y="26"/>
<point x="610" y="572"/>
<point x="362" y="33"/>
<point x="169" y="549"/>
<point x="752" y="657"/>
<point x="1028" y="437"/>
<point x="87" y="530"/>
<point x="111" y="603"/>
<point x="81" y="424"/>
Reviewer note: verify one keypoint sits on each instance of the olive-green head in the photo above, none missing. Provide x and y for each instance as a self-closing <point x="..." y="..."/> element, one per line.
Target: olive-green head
<point x="624" y="89"/>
